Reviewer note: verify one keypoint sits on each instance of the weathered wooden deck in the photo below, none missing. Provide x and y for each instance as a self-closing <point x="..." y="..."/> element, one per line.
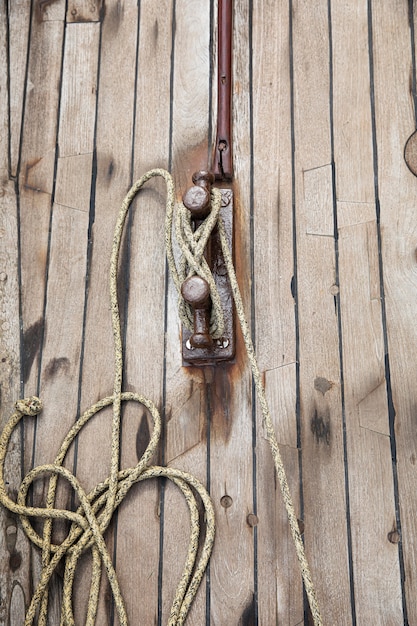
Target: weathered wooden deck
<point x="95" y="93"/>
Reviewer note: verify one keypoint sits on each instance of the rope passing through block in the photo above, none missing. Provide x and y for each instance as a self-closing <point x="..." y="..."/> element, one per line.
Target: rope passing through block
<point x="90" y="521"/>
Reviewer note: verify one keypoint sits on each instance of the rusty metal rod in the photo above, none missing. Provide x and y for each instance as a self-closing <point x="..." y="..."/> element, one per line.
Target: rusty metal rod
<point x="222" y="158"/>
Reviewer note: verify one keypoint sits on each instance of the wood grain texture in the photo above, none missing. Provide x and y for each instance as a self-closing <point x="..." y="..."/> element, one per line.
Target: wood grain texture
<point x="92" y="95"/>
<point x="185" y="401"/>
<point x="138" y="536"/>
<point x="321" y="419"/>
<point x="275" y="331"/>
<point x="365" y="398"/>
<point x="397" y="189"/>
<point x="231" y="451"/>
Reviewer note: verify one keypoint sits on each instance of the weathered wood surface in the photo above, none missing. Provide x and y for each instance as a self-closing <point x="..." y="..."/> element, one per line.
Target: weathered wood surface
<point x="93" y="94"/>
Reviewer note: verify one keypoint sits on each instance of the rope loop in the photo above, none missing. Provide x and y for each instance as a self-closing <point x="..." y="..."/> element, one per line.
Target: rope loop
<point x="192" y="245"/>
<point x="89" y="522"/>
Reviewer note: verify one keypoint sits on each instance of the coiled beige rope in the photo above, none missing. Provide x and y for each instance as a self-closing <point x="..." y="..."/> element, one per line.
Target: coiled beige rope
<point x="90" y="521"/>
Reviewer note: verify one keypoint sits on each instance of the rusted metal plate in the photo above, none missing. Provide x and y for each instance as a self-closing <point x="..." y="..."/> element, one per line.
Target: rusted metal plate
<point x="223" y="349"/>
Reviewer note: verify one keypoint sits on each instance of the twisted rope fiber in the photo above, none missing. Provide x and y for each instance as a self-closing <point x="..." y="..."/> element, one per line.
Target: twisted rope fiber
<point x="185" y="239"/>
<point x="90" y="521"/>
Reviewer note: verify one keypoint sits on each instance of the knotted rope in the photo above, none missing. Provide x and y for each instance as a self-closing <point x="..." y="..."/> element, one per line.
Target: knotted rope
<point x="90" y="521"/>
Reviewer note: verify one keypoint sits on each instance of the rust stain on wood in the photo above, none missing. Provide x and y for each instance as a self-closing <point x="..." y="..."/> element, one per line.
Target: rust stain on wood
<point x="41" y="8"/>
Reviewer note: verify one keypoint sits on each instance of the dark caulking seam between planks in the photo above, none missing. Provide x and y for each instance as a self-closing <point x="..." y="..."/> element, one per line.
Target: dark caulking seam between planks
<point x="208" y="386"/>
<point x="339" y="324"/>
<point x="252" y="309"/>
<point x="164" y="373"/>
<point x="294" y="282"/>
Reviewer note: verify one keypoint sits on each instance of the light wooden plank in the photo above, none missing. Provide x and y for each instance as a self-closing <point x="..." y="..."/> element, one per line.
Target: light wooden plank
<point x="35" y="180"/>
<point x="318" y="192"/>
<point x="273" y="261"/>
<point x="322" y="428"/>
<point x="280" y="596"/>
<point x="141" y="517"/>
<point x="14" y="548"/>
<point x="231" y="453"/>
<point x="63" y="319"/>
<point x="113" y="146"/>
<point x="61" y="355"/>
<point x="64" y="312"/>
<point x="370" y="475"/>
<point x="18" y="38"/>
<point x="311" y="48"/>
<point x="38" y="150"/>
<point x="351" y="213"/>
<point x="351" y="103"/>
<point x="191" y="91"/>
<point x="366" y="409"/>
<point x="186" y="414"/>
<point x="320" y="390"/>
<point x="395" y="121"/>
<point x="74" y="181"/>
<point x="78" y="97"/>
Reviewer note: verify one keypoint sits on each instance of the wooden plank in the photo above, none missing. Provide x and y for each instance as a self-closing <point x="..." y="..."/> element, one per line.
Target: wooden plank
<point x="231" y="444"/>
<point x="190" y="147"/>
<point x="78" y="97"/>
<point x="280" y="596"/>
<point x="186" y="388"/>
<point x="370" y="475"/>
<point x="320" y="385"/>
<point x="65" y="288"/>
<point x="35" y="184"/>
<point x="139" y="521"/>
<point x="14" y="548"/>
<point x="351" y="104"/>
<point x="18" y="40"/>
<point x="112" y="171"/>
<point x="395" y="121"/>
<point x="365" y="398"/>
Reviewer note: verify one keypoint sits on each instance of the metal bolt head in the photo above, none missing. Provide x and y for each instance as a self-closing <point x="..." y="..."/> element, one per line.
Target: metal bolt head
<point x="197" y="200"/>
